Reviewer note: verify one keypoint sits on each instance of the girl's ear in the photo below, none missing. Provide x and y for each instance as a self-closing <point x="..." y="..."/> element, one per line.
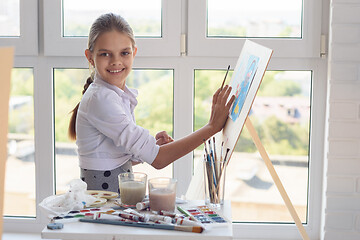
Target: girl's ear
<point x="88" y="55"/>
<point x="135" y="51"/>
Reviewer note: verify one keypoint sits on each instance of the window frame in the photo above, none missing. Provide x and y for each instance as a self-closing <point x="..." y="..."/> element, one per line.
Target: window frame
<point x="317" y="131"/>
<point x="27" y="43"/>
<point x="165" y="53"/>
<point x="200" y="45"/>
<point x="167" y="45"/>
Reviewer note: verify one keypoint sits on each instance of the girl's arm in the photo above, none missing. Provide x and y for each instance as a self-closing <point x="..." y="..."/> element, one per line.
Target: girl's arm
<point x="172" y="151"/>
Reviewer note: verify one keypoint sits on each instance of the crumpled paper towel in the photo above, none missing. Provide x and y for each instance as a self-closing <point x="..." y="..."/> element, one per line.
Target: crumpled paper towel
<point x="75" y="198"/>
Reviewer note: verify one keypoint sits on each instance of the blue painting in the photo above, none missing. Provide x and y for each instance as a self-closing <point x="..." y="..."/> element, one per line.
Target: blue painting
<point x="242" y="82"/>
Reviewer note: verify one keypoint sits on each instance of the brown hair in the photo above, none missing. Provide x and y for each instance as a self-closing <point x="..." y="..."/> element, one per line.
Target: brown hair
<point x="105" y="23"/>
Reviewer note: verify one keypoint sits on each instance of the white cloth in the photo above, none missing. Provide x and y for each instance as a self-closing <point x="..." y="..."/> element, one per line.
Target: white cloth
<point x="75" y="198"/>
<point x="106" y="132"/>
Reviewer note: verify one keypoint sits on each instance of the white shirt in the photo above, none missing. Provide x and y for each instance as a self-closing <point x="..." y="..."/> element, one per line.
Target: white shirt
<point x="106" y="133"/>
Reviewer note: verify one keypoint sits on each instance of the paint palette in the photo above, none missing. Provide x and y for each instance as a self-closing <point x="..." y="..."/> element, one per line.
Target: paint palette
<point x="206" y="215"/>
<point x="99" y="202"/>
<point x="102" y="194"/>
<point x="76" y="215"/>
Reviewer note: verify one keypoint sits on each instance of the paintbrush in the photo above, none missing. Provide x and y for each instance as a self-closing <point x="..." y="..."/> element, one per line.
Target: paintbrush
<point x="212" y="162"/>
<point x="226" y="161"/>
<point x="186" y="213"/>
<point x="227" y="71"/>
<point x="195" y="229"/>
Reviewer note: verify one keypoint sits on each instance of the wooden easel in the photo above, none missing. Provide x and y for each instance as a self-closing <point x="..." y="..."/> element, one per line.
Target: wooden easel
<point x="276" y="178"/>
<point x="6" y="63"/>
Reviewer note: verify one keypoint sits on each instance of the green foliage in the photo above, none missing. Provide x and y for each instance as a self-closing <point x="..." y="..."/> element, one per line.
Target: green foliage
<point x="233" y="31"/>
<point x="140" y="28"/>
<point x="77" y="30"/>
<point x="272" y="87"/>
<point x="21" y="117"/>
<point x="68" y="85"/>
<point x="206" y="83"/>
<point x="286" y="32"/>
<point x="155" y="100"/>
<point x="282" y="138"/>
<point x="145" y="27"/>
<point x="22" y="82"/>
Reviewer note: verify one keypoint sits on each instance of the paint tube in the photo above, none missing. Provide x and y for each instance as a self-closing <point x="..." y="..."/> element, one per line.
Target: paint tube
<point x="142" y="205"/>
<point x="169" y="214"/>
<point x="133" y="217"/>
<point x="185" y="222"/>
<point x="155" y="218"/>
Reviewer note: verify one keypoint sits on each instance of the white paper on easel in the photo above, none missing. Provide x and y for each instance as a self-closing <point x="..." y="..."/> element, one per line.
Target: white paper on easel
<point x="6" y="63"/>
<point x="245" y="82"/>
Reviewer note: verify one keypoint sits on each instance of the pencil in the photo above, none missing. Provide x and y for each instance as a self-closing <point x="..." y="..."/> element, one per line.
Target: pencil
<point x="222" y="85"/>
<point x="195" y="229"/>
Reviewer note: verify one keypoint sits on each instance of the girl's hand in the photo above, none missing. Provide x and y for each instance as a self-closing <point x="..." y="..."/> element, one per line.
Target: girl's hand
<point x="163" y="138"/>
<point x="220" y="108"/>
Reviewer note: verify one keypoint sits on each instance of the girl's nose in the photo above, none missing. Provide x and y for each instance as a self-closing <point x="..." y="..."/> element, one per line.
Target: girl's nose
<point x="116" y="61"/>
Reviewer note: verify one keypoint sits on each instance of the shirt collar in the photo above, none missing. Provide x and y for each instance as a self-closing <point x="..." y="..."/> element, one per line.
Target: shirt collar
<point x="129" y="93"/>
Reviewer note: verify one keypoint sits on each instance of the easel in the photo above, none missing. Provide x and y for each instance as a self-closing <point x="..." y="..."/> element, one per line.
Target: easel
<point x="276" y="178"/>
<point x="6" y="62"/>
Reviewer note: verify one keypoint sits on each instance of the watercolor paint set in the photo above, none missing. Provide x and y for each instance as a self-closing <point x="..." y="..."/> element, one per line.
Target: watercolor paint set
<point x="205" y="215"/>
<point x="76" y="215"/>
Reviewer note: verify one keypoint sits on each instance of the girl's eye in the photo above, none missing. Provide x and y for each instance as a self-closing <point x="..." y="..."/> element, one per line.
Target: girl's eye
<point x="125" y="53"/>
<point x="104" y="54"/>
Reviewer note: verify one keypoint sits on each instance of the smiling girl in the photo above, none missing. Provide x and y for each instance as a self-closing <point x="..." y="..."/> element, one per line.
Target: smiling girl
<point x="103" y="123"/>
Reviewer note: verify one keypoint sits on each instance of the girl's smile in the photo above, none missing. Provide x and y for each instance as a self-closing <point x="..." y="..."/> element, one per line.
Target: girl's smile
<point x="112" y="57"/>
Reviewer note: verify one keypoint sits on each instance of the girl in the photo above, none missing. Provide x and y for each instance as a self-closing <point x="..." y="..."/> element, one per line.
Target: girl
<point x="103" y="123"/>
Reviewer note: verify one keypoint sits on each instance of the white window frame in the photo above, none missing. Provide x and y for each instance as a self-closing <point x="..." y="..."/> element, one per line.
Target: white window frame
<point x="27" y="43"/>
<point x="289" y="54"/>
<point x="200" y="45"/>
<point x="318" y="108"/>
<point x="167" y="45"/>
<point x="182" y="16"/>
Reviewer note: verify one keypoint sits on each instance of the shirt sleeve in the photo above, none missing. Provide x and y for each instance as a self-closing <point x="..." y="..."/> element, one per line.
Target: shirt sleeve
<point x="106" y="113"/>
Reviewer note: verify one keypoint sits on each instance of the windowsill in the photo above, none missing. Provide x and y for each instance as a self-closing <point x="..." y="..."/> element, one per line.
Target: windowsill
<point x="22" y="236"/>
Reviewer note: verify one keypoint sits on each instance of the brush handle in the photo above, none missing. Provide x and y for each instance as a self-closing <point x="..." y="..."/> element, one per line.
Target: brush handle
<point x="227" y="71"/>
<point x="145" y="225"/>
<point x="195" y="229"/>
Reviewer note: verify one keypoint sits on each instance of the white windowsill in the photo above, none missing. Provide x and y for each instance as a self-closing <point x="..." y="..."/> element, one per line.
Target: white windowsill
<point x="22" y="236"/>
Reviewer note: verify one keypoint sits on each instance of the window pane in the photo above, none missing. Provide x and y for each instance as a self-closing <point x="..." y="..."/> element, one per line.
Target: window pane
<point x="255" y="18"/>
<point x="144" y="16"/>
<point x="20" y="164"/>
<point x="9" y="18"/>
<point x="153" y="112"/>
<point x="281" y="116"/>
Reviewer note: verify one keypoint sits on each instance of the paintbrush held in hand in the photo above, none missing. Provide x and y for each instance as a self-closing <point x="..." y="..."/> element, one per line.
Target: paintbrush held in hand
<point x="227" y="71"/>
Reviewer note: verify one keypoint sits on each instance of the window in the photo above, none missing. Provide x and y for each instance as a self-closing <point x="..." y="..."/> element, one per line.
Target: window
<point x="20" y="165"/>
<point x="206" y="35"/>
<point x="18" y="29"/>
<point x="79" y="15"/>
<point x="153" y="39"/>
<point x="10" y="18"/>
<point x="175" y="88"/>
<point x="256" y="19"/>
<point x="254" y="197"/>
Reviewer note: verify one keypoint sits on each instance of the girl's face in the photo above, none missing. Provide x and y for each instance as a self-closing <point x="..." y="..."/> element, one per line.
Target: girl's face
<point x="112" y="57"/>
